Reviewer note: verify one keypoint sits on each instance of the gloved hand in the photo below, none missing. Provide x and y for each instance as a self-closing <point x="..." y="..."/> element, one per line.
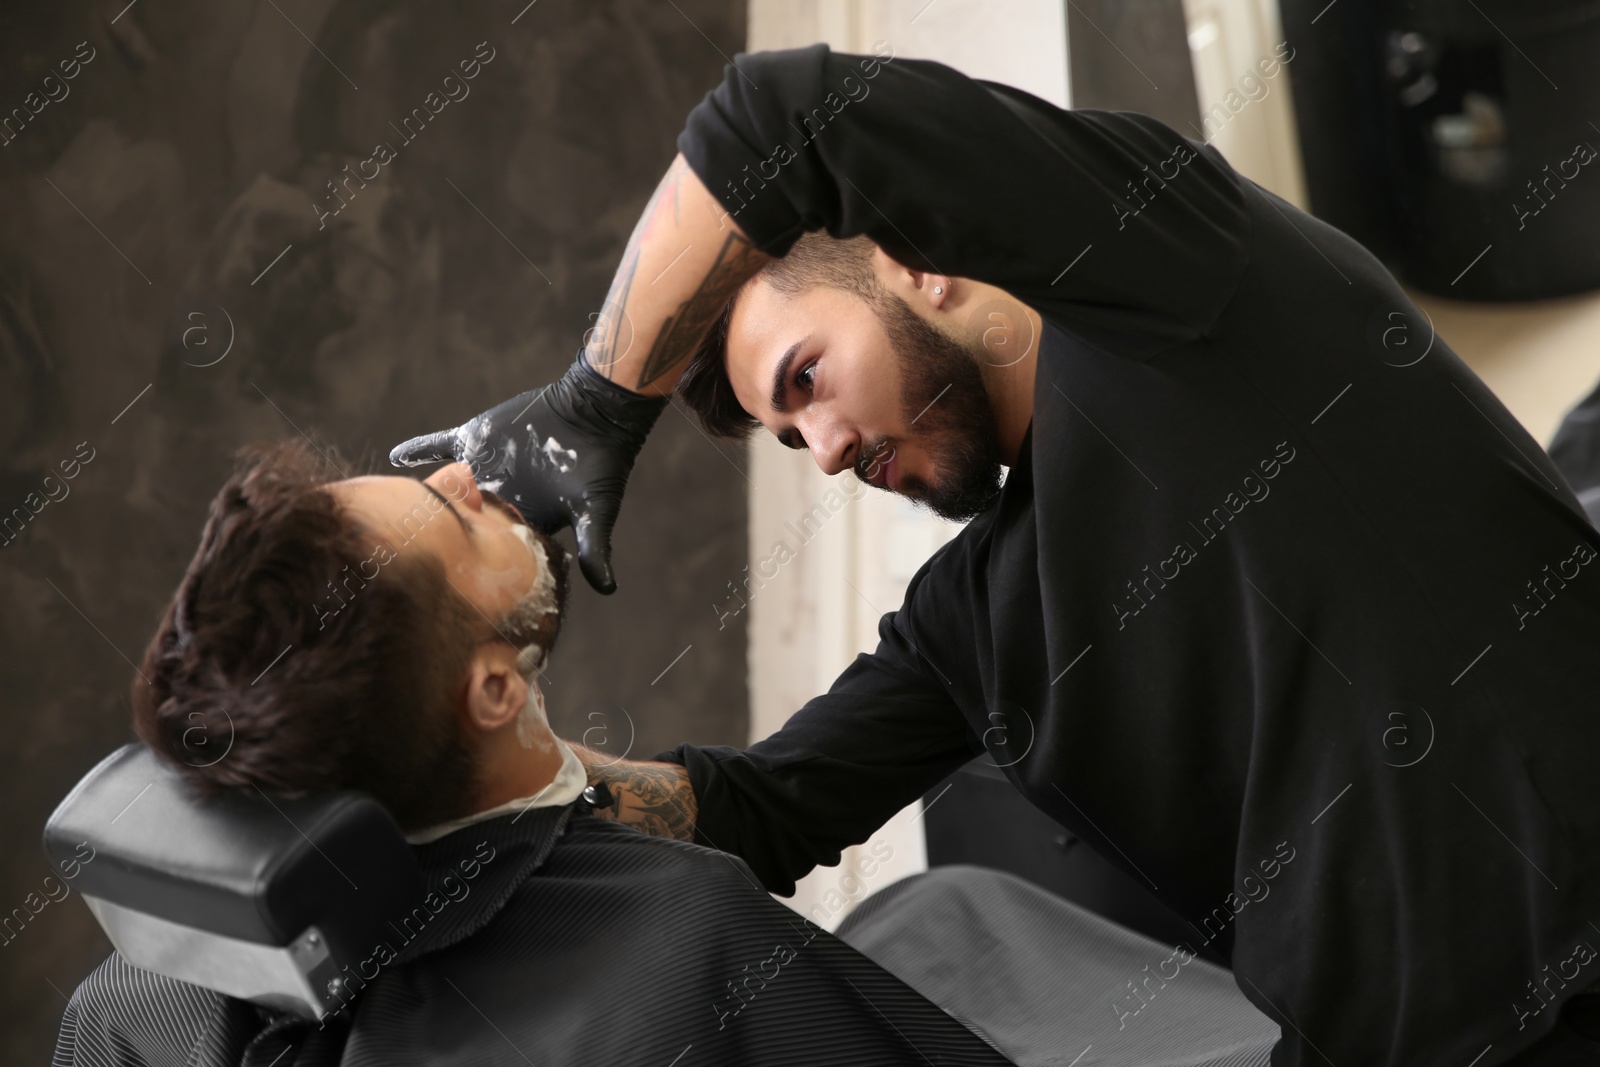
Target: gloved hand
<point x="561" y="455"/>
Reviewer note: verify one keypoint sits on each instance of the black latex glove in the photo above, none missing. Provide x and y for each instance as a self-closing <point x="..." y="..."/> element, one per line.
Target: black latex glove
<point x="561" y="455"/>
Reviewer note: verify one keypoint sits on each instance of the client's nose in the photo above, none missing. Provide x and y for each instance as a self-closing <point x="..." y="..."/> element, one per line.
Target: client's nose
<point x="455" y="481"/>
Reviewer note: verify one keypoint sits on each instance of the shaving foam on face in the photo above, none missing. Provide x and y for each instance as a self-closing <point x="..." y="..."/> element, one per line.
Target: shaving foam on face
<point x="544" y="587"/>
<point x="532" y="721"/>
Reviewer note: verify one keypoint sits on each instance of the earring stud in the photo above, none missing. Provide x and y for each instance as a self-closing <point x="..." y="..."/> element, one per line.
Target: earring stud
<point x="937" y="290"/>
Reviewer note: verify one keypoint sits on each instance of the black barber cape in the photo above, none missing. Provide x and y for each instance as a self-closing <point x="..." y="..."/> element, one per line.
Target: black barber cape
<point x="554" y="938"/>
<point x="1280" y="608"/>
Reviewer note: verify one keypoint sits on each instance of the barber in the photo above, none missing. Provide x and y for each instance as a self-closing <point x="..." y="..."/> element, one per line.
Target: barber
<point x="1278" y="608"/>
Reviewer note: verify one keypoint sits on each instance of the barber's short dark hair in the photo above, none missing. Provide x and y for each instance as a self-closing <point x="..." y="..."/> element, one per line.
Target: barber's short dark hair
<point x="815" y="259"/>
<point x="283" y="663"/>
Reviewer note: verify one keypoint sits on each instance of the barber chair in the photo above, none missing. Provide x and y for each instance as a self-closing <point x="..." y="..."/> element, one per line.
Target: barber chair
<point x="241" y="893"/>
<point x="987" y="823"/>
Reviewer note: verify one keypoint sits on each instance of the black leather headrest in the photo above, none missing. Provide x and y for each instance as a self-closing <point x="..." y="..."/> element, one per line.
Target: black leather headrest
<point x="241" y="865"/>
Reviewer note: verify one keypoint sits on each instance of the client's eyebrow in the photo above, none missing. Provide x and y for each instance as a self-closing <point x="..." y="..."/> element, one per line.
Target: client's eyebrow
<point x="464" y="527"/>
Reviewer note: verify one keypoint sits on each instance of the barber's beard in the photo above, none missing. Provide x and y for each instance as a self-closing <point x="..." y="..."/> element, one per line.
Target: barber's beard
<point x="942" y="391"/>
<point x="534" y="621"/>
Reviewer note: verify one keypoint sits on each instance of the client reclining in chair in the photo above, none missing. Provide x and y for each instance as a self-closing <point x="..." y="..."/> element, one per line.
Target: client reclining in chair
<point x="386" y="635"/>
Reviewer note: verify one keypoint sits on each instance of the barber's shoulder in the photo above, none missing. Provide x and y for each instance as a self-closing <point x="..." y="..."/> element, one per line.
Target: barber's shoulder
<point x="953" y="577"/>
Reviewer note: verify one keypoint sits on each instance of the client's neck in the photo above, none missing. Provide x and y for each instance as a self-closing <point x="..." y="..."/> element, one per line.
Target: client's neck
<point x="508" y="770"/>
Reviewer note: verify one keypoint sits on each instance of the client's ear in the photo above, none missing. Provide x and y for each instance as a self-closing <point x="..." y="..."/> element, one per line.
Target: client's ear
<point x="496" y="690"/>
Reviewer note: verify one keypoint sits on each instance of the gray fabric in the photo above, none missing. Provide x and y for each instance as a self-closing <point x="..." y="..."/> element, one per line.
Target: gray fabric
<point x="1050" y="983"/>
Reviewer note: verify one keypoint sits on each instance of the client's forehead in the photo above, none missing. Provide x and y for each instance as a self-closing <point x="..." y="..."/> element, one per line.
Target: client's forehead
<point x="373" y="491"/>
<point x="391" y="483"/>
<point x="380" y="501"/>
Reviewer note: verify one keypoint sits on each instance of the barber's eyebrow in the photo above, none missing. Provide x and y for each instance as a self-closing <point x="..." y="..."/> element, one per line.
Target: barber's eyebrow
<point x="443" y="500"/>
<point x="780" y="377"/>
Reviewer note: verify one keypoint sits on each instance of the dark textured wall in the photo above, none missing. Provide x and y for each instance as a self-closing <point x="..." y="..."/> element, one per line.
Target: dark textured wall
<point x="153" y="193"/>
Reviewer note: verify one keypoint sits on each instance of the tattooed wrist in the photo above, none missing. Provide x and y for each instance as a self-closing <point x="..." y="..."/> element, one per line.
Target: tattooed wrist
<point x="655" y="798"/>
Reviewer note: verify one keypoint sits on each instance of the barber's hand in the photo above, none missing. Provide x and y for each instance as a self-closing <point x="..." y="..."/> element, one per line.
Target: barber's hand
<point x="560" y="454"/>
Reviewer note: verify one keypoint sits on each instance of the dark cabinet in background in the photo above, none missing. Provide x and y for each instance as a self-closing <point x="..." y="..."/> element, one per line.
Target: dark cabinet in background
<point x="1458" y="140"/>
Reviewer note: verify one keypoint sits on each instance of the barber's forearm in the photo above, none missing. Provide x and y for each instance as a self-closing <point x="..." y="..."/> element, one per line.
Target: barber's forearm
<point x="685" y="259"/>
<point x="656" y="798"/>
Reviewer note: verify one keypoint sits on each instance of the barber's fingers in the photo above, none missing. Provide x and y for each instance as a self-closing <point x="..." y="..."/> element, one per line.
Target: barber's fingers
<point x="594" y="545"/>
<point x="429" y="448"/>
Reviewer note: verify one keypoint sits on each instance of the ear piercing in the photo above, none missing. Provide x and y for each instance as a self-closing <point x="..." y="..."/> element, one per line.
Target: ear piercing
<point x="938" y="290"/>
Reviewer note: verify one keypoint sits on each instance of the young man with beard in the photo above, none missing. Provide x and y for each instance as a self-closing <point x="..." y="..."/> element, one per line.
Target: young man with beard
<point x="1258" y="583"/>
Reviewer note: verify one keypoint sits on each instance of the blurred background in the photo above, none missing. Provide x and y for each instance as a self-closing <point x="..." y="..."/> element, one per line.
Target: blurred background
<point x="174" y="284"/>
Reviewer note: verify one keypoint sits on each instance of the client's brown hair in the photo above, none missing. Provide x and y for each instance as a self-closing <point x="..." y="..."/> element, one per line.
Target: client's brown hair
<point x="255" y="682"/>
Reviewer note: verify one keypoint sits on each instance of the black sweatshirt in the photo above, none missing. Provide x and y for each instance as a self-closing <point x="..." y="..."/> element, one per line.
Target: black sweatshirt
<point x="1280" y="608"/>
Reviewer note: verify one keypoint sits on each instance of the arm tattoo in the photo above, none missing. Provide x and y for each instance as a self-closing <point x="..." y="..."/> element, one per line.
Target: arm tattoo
<point x="612" y="334"/>
<point x="736" y="261"/>
<point x="656" y="798"/>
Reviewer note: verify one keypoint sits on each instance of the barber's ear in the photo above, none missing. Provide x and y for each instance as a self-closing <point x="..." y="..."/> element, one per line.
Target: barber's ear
<point x="934" y="289"/>
<point x="496" y="690"/>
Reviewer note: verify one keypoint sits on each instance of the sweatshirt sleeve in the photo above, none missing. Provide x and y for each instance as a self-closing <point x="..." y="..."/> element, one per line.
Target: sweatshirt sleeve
<point x="882" y="735"/>
<point x="1131" y="234"/>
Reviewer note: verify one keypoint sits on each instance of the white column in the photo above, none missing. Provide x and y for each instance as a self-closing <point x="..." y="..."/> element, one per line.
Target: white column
<point x="1245" y="111"/>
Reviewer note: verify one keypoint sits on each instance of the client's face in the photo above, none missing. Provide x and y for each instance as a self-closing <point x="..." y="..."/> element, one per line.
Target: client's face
<point x="499" y="563"/>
